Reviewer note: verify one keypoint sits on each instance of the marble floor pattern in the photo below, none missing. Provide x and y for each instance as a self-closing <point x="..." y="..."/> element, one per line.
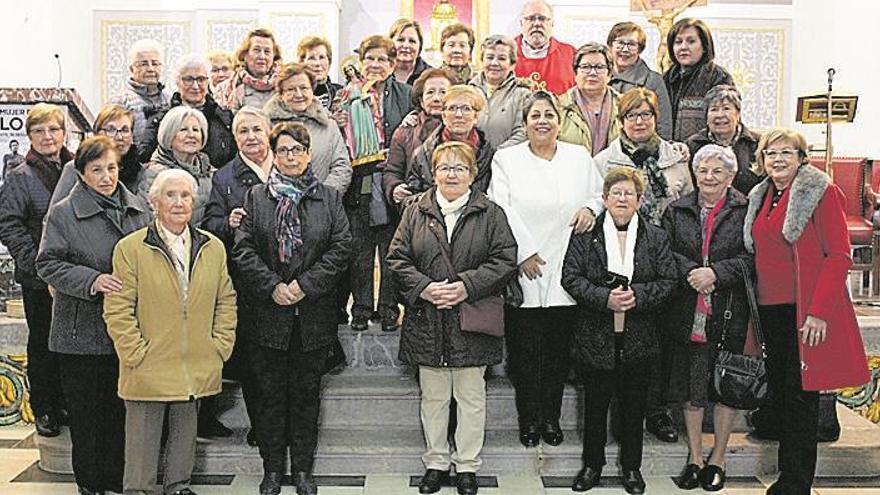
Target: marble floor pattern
<point x="19" y="475"/>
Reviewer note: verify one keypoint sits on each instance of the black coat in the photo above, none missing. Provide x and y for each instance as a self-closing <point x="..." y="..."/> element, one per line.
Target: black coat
<point x="229" y="186"/>
<point x="687" y="91"/>
<point x="24" y="201"/>
<point x="317" y="265"/>
<point x="744" y="148"/>
<point x="220" y="147"/>
<point x="483" y="252"/>
<point x="77" y="246"/>
<point x="420" y="177"/>
<point x="682" y="223"/>
<point x="584" y="272"/>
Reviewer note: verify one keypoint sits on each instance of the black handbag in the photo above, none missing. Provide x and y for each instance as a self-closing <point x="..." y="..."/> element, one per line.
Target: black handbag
<point x="740" y="381"/>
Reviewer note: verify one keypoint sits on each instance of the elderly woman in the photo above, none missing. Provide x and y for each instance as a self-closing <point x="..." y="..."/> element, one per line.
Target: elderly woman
<point x="172" y="321"/>
<point x="291" y="249"/>
<point x="590" y="109"/>
<point x="192" y="91"/>
<point x="24" y="201"/>
<point x="258" y="59"/>
<point x="294" y="101"/>
<point x="222" y="64"/>
<point x="502" y="120"/>
<point x="182" y="136"/>
<point x="76" y="259"/>
<point x="548" y="189"/>
<point x="627" y="42"/>
<point x="462" y="105"/>
<point x="453" y="246"/>
<point x="428" y="93"/>
<point x="641" y="147"/>
<point x="724" y="128"/>
<point x="692" y="75"/>
<point x="380" y="102"/>
<point x="705" y="234"/>
<point x="116" y="123"/>
<point x="317" y="54"/>
<point x="456" y="48"/>
<point x="144" y="94"/>
<point x="796" y="227"/>
<point x="408" y="39"/>
<point x="621" y="275"/>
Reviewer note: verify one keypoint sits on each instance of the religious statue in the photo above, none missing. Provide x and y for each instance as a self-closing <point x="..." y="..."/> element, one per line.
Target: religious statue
<point x="363" y="133"/>
<point x="664" y="22"/>
<point x="443" y="14"/>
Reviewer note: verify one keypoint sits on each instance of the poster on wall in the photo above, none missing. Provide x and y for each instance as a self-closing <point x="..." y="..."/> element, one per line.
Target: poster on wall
<point x="434" y="15"/>
<point x="14" y="143"/>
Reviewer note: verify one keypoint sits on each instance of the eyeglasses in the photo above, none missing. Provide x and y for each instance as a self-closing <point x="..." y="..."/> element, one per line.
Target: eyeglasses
<point x="447" y="170"/>
<point x="626" y="45"/>
<point x="189" y="80"/>
<point x="462" y="109"/>
<point x="45" y="130"/>
<point x="588" y="68"/>
<point x="113" y="132"/>
<point x="147" y="63"/>
<point x="787" y="153"/>
<point x="635" y="116"/>
<point x="622" y="194"/>
<point x="536" y="19"/>
<point x="297" y="150"/>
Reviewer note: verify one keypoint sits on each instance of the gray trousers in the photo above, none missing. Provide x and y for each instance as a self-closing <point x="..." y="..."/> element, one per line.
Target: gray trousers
<point x="143" y="442"/>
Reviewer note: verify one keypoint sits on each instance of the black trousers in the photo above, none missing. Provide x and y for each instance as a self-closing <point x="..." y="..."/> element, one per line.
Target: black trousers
<point x="290" y="385"/>
<point x="97" y="420"/>
<point x="239" y="367"/>
<point x="365" y="241"/>
<point x="799" y="408"/>
<point x="43" y="374"/>
<point x="538" y="342"/>
<point x="658" y="380"/>
<point x="627" y="386"/>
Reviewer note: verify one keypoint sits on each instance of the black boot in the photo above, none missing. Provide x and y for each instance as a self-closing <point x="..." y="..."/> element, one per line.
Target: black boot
<point x="305" y="484"/>
<point x="271" y="484"/>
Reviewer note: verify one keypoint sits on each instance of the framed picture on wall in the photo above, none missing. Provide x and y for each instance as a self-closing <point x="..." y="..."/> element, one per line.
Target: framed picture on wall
<point x="435" y="15"/>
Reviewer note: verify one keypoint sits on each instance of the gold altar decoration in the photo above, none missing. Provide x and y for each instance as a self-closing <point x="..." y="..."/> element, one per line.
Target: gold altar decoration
<point x="441" y="15"/>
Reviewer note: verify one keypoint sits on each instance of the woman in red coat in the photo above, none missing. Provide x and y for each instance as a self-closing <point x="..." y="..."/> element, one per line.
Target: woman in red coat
<point x="796" y="227"/>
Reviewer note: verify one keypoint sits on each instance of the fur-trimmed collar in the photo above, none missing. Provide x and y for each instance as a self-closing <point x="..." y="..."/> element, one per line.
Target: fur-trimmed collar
<point x="277" y="111"/>
<point x="807" y="190"/>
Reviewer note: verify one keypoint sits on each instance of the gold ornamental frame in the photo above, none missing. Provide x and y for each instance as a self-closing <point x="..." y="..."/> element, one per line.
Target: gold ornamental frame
<point x="479" y="23"/>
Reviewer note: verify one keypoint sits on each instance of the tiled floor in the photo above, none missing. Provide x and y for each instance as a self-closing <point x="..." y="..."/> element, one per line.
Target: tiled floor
<point x="19" y="475"/>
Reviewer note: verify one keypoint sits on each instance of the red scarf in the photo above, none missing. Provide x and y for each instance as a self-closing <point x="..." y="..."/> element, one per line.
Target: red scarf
<point x="704" y="301"/>
<point x="473" y="139"/>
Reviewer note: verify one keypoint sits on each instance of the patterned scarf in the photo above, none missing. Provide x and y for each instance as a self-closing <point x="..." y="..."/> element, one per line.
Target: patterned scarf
<point x="289" y="191"/>
<point x="472" y="139"/>
<point x="704" y="301"/>
<point x="645" y="156"/>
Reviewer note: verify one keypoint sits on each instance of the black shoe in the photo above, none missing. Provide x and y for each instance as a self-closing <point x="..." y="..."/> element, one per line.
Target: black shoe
<point x="633" y="482"/>
<point x="341" y="317"/>
<point x="586" y="479"/>
<point x="252" y="438"/>
<point x="359" y="324"/>
<point x="375" y="317"/>
<point x="661" y="427"/>
<point x="712" y="478"/>
<point x="389" y="326"/>
<point x="63" y="417"/>
<point x="47" y="426"/>
<point x="185" y="491"/>
<point x="211" y="428"/>
<point x="271" y="484"/>
<point x="529" y="435"/>
<point x="466" y="483"/>
<point x="689" y="477"/>
<point x="432" y="480"/>
<point x="305" y="484"/>
<point x="85" y="491"/>
<point x="551" y="433"/>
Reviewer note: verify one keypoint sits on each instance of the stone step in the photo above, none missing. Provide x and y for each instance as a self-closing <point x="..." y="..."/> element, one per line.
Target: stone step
<point x="397" y="450"/>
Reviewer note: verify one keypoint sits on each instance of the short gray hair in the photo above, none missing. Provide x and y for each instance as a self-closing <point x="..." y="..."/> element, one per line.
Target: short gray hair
<point x="723" y="154"/>
<point x="191" y="61"/>
<point x="251" y="111"/>
<point x="592" y="47"/>
<point x="145" y="45"/>
<point x="158" y="185"/>
<point x="721" y="93"/>
<point x="499" y="39"/>
<point x="174" y="119"/>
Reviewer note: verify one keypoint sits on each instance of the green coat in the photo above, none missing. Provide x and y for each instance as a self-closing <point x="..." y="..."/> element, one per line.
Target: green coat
<point x="574" y="128"/>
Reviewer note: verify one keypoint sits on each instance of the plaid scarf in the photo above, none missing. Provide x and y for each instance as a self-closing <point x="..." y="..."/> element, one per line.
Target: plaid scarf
<point x="289" y="191"/>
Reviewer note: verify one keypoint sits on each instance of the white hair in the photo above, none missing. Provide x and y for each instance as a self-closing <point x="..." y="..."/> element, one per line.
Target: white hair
<point x="172" y="121"/>
<point x="542" y="2"/>
<point x="145" y="45"/>
<point x="191" y="61"/>
<point x="251" y="111"/>
<point x="169" y="174"/>
<point x="723" y="154"/>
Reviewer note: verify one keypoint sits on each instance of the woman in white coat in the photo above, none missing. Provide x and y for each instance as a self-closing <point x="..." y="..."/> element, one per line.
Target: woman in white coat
<point x="548" y="189"/>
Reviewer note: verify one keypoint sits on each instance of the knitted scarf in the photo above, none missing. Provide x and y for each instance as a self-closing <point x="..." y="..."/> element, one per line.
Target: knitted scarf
<point x="704" y="301"/>
<point x="289" y="191"/>
<point x="645" y="156"/>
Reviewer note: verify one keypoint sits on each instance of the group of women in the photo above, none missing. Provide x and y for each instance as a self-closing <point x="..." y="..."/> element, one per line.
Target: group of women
<point x="616" y="228"/>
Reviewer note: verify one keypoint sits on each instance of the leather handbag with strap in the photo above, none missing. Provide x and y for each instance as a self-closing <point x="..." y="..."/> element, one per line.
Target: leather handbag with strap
<point x="739" y="380"/>
<point x="485" y="315"/>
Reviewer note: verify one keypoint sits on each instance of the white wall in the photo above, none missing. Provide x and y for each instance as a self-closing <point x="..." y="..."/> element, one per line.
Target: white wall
<point x="824" y="34"/>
